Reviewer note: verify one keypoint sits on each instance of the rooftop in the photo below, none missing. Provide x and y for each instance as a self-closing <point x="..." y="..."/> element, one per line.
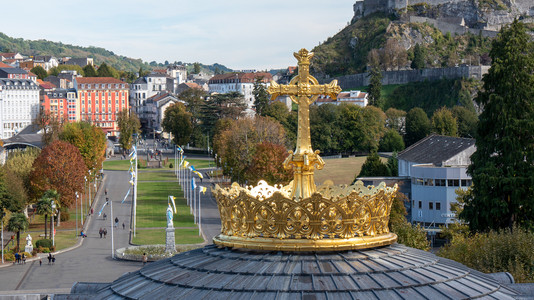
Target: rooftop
<point x="435" y="149"/>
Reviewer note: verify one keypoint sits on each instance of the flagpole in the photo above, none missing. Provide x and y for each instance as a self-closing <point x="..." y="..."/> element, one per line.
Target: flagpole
<point x="111" y="222"/>
<point x="199" y="215"/>
<point x="134" y="223"/>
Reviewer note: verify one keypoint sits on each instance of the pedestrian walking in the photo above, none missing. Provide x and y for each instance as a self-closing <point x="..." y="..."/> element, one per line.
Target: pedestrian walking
<point x="100" y="232"/>
<point x="145" y="259"/>
<point x="106" y="191"/>
<point x="53" y="259"/>
<point x="91" y="210"/>
<point x="105" y="232"/>
<point x="116" y="222"/>
<point x="40" y="262"/>
<point x="17" y="258"/>
<point x="49" y="258"/>
<point x="123" y="226"/>
<point x="23" y="258"/>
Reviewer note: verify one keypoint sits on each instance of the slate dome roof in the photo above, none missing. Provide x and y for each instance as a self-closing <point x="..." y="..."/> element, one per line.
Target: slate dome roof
<point x="391" y="272"/>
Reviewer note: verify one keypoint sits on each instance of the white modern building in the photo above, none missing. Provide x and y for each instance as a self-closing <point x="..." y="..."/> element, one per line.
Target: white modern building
<point x="354" y="97"/>
<point x="437" y="167"/>
<point x="242" y="83"/>
<point x="19" y="105"/>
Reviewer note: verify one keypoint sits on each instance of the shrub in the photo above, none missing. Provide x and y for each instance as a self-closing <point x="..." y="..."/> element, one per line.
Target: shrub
<point x="171" y="166"/>
<point x="495" y="251"/>
<point x="44" y="243"/>
<point x="8" y="256"/>
<point x="411" y="235"/>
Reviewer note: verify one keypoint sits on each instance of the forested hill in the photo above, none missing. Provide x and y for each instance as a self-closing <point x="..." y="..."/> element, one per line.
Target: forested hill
<point x="100" y="55"/>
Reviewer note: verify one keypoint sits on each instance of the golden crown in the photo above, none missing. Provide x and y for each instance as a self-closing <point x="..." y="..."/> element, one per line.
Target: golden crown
<point x="334" y="218"/>
<point x="302" y="216"/>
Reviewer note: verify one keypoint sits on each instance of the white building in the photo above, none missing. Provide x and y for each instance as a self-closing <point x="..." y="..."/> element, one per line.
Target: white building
<point x="242" y="83"/>
<point x="19" y="105"/>
<point x="153" y="110"/>
<point x="437" y="167"/>
<point x="355" y="97"/>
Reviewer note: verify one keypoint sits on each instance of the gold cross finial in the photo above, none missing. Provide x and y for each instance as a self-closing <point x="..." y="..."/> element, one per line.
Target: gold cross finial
<point x="303" y="89"/>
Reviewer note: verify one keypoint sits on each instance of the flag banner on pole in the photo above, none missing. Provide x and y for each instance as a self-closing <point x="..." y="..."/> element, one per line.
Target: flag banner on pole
<point x="128" y="193"/>
<point x="192" y="168"/>
<point x="100" y="212"/>
<point x="199" y="174"/>
<point x="186" y="163"/>
<point x="173" y="204"/>
<point x="180" y="149"/>
<point x="133" y="153"/>
<point x="193" y="185"/>
<point x="182" y="161"/>
<point x="203" y="189"/>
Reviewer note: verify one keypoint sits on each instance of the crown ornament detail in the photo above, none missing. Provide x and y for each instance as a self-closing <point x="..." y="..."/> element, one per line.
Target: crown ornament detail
<point x="302" y="216"/>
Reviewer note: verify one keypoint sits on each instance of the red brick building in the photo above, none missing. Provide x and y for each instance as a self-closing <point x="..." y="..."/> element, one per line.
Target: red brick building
<point x="100" y="99"/>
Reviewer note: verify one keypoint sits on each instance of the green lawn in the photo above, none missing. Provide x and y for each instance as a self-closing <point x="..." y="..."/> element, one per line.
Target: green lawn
<point x="156" y="176"/>
<point x="157" y="236"/>
<point x="152" y="205"/>
<point x="124" y="165"/>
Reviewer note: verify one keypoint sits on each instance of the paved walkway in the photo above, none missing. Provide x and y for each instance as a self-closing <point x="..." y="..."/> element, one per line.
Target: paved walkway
<point x="91" y="261"/>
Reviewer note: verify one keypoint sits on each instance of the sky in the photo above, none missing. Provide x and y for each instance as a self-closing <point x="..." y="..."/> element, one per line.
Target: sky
<point x="240" y="34"/>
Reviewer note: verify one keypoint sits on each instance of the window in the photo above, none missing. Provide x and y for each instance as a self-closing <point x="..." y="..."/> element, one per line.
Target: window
<point x="429" y="182"/>
<point x="420" y="204"/>
<point x="466" y="182"/>
<point x="453" y="182"/>
<point x="88" y="86"/>
<point x="418" y="181"/>
<point x="438" y="205"/>
<point x="441" y="182"/>
<point x="431" y="205"/>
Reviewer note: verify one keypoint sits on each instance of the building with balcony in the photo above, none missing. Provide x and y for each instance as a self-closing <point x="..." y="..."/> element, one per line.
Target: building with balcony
<point x="19" y="105"/>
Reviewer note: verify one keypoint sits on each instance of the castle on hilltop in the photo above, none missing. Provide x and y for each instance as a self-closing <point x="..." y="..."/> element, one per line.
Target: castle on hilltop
<point x="468" y="14"/>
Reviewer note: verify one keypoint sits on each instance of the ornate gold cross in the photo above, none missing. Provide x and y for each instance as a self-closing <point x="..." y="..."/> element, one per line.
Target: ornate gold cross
<point x="303" y="89"/>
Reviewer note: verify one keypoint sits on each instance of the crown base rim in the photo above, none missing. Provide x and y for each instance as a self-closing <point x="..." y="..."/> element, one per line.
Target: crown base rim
<point x="305" y="245"/>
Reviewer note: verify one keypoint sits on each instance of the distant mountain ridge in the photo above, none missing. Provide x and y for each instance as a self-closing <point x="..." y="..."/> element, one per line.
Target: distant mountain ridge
<point x="100" y="55"/>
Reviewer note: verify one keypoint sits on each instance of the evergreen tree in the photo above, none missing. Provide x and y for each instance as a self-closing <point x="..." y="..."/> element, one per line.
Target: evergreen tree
<point x="40" y="72"/>
<point x="373" y="166"/>
<point x="89" y="71"/>
<point x="196" y="68"/>
<point x="375" y="88"/>
<point x="502" y="166"/>
<point x="105" y="71"/>
<point x="418" y="61"/>
<point x="261" y="97"/>
<point x="467" y="121"/>
<point x="417" y="125"/>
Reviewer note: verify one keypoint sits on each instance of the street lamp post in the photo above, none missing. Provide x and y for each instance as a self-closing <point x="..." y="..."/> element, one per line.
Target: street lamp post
<point x="53" y="231"/>
<point x="134" y="221"/>
<point x="111" y="222"/>
<point x="2" y="243"/>
<point x="77" y="196"/>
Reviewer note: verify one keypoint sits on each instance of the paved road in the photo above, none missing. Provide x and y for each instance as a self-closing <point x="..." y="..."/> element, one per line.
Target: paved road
<point x="92" y="261"/>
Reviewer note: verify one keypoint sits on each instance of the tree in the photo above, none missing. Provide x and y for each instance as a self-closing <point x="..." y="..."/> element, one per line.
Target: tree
<point x="375" y="88"/>
<point x="106" y="71"/>
<point x="267" y="164"/>
<point x="196" y="68"/>
<point x="89" y="71"/>
<point x="417" y="126"/>
<point x="20" y="163"/>
<point x="236" y="145"/>
<point x="220" y="106"/>
<point x="129" y="124"/>
<point x="60" y="167"/>
<point x="17" y="223"/>
<point x="40" y="72"/>
<point x="361" y="128"/>
<point x="18" y="194"/>
<point x="6" y="199"/>
<point x="396" y="119"/>
<point x="177" y="121"/>
<point x="418" y="61"/>
<point x="391" y="141"/>
<point x="50" y="125"/>
<point x="89" y="139"/>
<point x="407" y="233"/>
<point x="502" y="166"/>
<point x="56" y="70"/>
<point x="261" y="97"/>
<point x="324" y="128"/>
<point x="44" y="206"/>
<point x="467" y="121"/>
<point x="444" y="123"/>
<point x="373" y="166"/>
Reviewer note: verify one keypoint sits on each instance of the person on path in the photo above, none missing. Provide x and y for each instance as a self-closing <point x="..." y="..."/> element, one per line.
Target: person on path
<point x="105" y="232"/>
<point x="116" y="222"/>
<point x="123" y="226"/>
<point x="49" y="258"/>
<point x="106" y="191"/>
<point x="100" y="232"/>
<point x="40" y="262"/>
<point x="145" y="259"/>
<point x="91" y="210"/>
<point x="23" y="258"/>
<point x="53" y="259"/>
<point x="16" y="258"/>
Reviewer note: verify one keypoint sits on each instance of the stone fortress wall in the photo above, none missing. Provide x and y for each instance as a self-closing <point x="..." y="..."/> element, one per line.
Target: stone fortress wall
<point x="406" y="76"/>
<point x="458" y="16"/>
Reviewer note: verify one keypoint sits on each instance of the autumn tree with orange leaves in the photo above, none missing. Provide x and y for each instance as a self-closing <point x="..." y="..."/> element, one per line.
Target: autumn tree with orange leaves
<point x="60" y="167"/>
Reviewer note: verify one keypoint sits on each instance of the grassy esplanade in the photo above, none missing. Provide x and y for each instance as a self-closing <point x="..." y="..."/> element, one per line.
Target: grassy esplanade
<point x="124" y="165"/>
<point x="153" y="189"/>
